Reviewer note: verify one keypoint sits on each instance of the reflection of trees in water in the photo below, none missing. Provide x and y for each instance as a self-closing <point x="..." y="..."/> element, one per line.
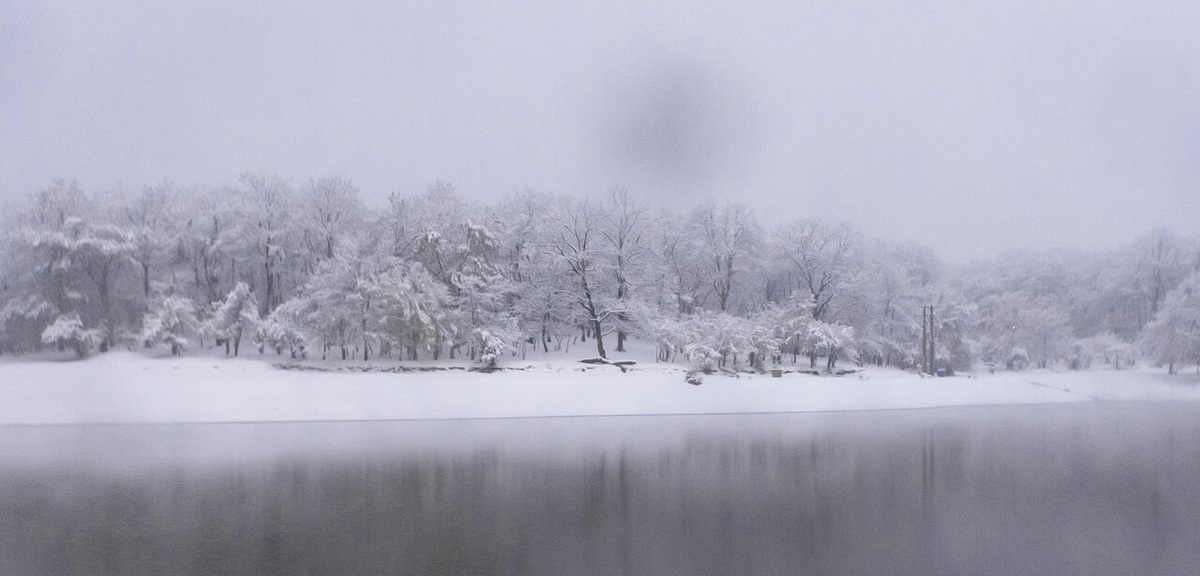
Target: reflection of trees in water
<point x="976" y="491"/>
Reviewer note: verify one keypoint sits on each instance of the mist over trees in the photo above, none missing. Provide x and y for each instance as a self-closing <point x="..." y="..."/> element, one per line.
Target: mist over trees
<point x="310" y="270"/>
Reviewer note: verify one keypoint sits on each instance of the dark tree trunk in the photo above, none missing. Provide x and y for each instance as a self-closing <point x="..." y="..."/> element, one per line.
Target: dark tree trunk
<point x="268" y="301"/>
<point x="363" y="326"/>
<point x="599" y="337"/>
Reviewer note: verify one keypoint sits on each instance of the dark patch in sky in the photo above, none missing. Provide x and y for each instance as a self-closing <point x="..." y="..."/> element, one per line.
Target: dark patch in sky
<point x="973" y="128"/>
<point x="669" y="123"/>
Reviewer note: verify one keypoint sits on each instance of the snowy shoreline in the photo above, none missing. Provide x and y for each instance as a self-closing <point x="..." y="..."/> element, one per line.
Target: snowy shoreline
<point x="123" y="387"/>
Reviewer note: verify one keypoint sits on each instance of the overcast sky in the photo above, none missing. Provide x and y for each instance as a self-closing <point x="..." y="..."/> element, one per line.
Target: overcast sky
<point x="969" y="126"/>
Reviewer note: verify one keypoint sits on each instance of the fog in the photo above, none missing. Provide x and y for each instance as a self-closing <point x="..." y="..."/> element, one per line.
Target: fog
<point x="1012" y="125"/>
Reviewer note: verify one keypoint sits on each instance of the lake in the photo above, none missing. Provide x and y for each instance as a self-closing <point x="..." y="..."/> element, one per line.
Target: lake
<point x="1089" y="489"/>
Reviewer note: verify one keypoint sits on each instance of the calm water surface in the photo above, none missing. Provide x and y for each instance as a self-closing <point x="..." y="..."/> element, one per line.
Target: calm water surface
<point x="1078" y="489"/>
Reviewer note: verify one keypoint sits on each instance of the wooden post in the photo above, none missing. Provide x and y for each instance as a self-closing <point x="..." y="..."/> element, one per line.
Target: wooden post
<point x="932" y="344"/>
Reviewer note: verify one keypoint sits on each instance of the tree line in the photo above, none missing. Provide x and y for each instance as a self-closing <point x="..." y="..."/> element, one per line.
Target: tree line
<point x="310" y="270"/>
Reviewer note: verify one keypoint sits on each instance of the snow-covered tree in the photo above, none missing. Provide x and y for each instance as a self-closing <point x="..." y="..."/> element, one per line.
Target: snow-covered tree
<point x="623" y="232"/>
<point x="789" y="320"/>
<point x="331" y="214"/>
<point x="832" y="341"/>
<point x="954" y="321"/>
<point x="370" y="304"/>
<point x="1162" y="261"/>
<point x="764" y="340"/>
<point x="481" y="292"/>
<point x="21" y="316"/>
<point x="711" y="340"/>
<point x="414" y="304"/>
<point x="67" y="331"/>
<point x="490" y="343"/>
<point x="269" y="224"/>
<point x="438" y="273"/>
<point x="728" y="239"/>
<point x="151" y="220"/>
<point x="105" y="253"/>
<point x="1106" y="349"/>
<point x="537" y="285"/>
<point x="171" y="321"/>
<point x="823" y="259"/>
<point x="1173" y="337"/>
<point x="679" y="279"/>
<point x="234" y="317"/>
<point x="575" y="242"/>
<point x="283" y="329"/>
<point x="1047" y="334"/>
<point x="545" y="305"/>
<point x="1011" y="320"/>
<point x="894" y="283"/>
<point x="440" y="232"/>
<point x="77" y="259"/>
<point x="341" y="304"/>
<point x="465" y="249"/>
<point x="210" y="247"/>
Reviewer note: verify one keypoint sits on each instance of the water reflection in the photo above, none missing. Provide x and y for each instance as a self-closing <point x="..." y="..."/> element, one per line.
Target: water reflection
<point x="1089" y="489"/>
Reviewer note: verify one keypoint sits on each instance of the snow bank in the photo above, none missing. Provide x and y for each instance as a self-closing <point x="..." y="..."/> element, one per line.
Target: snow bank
<point x="130" y="388"/>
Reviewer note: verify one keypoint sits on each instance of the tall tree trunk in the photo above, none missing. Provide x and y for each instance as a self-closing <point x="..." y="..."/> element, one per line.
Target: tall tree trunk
<point x="728" y="282"/>
<point x="622" y="292"/>
<point x="594" y="319"/>
<point x="268" y="301"/>
<point x="599" y="337"/>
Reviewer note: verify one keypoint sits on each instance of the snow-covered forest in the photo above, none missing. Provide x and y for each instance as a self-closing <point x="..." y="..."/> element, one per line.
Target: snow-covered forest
<point x="308" y="269"/>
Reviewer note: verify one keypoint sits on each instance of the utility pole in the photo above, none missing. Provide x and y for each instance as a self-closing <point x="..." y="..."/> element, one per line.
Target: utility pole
<point x="932" y="342"/>
<point x="928" y="353"/>
<point x="924" y="339"/>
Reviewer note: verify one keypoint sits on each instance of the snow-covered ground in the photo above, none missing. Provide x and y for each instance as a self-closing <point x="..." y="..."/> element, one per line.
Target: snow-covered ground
<point x="126" y="387"/>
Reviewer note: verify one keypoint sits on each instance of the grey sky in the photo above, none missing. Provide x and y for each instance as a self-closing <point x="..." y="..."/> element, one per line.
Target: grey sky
<point x="1008" y="124"/>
